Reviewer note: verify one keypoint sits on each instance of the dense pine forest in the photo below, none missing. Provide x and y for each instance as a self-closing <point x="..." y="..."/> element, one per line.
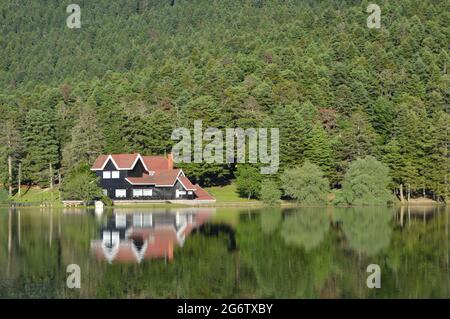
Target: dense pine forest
<point x="136" y="69"/>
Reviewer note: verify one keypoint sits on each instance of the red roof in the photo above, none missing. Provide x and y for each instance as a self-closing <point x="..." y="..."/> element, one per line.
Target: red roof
<point x="161" y="177"/>
<point x="127" y="161"/>
<point x="98" y="164"/>
<point x="186" y="183"/>
<point x="202" y="194"/>
<point x="156" y="162"/>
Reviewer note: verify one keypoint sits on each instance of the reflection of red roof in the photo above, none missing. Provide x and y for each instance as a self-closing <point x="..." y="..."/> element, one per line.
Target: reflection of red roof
<point x="158" y="242"/>
<point x="161" y="177"/>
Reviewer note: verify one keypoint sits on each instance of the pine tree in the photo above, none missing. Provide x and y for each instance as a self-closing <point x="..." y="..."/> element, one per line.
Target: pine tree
<point x="87" y="141"/>
<point x="318" y="150"/>
<point x="41" y="143"/>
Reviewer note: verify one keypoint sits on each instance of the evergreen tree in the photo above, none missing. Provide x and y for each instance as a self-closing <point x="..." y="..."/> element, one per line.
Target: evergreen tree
<point x="41" y="143"/>
<point x="318" y="150"/>
<point x="87" y="141"/>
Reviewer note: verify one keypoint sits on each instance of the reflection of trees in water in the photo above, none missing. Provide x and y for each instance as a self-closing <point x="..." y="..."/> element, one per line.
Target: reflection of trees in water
<point x="270" y="220"/>
<point x="367" y="229"/>
<point x="305" y="227"/>
<point x="282" y="270"/>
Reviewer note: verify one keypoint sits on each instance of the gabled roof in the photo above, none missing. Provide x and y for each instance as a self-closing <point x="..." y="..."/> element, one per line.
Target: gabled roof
<point x="128" y="161"/>
<point x="202" y="194"/>
<point x="186" y="183"/>
<point x="156" y="162"/>
<point x="165" y="177"/>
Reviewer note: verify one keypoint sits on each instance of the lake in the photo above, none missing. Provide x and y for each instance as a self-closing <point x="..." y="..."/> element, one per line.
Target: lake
<point x="225" y="252"/>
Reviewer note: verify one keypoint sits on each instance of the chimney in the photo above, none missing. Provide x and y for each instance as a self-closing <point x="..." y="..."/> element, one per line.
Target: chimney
<point x="170" y="161"/>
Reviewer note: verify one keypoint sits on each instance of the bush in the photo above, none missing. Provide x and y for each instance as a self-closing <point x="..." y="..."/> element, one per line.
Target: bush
<point x="306" y="184"/>
<point x="365" y="183"/>
<point x="81" y="184"/>
<point x="248" y="181"/>
<point x="270" y="193"/>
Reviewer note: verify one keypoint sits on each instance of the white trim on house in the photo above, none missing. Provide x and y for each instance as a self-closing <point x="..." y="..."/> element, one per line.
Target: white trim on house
<point x="104" y="164"/>
<point x="137" y="183"/>
<point x="185" y="188"/>
<point x="121" y="168"/>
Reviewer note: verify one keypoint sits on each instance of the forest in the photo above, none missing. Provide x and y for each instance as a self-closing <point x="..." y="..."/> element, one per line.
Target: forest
<point x="137" y="69"/>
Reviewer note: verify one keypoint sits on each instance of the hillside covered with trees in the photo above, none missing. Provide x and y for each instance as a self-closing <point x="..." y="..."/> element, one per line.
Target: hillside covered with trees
<point x="136" y="69"/>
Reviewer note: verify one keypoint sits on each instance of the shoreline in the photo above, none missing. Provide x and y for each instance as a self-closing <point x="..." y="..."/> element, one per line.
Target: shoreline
<point x="227" y="205"/>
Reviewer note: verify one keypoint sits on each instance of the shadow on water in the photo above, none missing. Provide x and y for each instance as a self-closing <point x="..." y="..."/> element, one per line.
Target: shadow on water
<point x="215" y="230"/>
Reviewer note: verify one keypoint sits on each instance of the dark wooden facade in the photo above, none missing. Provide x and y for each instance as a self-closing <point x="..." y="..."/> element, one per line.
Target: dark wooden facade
<point x="110" y="185"/>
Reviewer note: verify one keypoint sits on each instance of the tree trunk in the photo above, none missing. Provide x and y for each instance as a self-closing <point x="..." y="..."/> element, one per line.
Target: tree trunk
<point x="10" y="175"/>
<point x="20" y="178"/>
<point x="402" y="199"/>
<point x="409" y="192"/>
<point x="51" y="176"/>
<point x="402" y="213"/>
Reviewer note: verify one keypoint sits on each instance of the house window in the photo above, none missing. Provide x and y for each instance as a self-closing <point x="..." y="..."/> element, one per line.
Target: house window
<point x="179" y="193"/>
<point x="106" y="175"/>
<point x="121" y="193"/>
<point x="115" y="174"/>
<point x="137" y="192"/>
<point x="105" y="192"/>
<point x="147" y="192"/>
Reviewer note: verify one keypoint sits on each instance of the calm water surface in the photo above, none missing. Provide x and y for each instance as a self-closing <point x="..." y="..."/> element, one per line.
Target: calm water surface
<point x="225" y="252"/>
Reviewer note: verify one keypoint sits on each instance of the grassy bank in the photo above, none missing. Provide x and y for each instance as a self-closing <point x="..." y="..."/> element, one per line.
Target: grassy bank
<point x="229" y="194"/>
<point x="226" y="196"/>
<point x="38" y="196"/>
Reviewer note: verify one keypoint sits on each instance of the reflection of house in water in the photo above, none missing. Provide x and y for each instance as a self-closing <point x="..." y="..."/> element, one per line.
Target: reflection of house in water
<point x="137" y="236"/>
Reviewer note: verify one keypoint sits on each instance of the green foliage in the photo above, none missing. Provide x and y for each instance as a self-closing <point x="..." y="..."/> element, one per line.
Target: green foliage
<point x="248" y="181"/>
<point x="306" y="184"/>
<point x="81" y="184"/>
<point x="41" y="144"/>
<point x="4" y="197"/>
<point x="318" y="150"/>
<point x="365" y="183"/>
<point x="270" y="192"/>
<point x="334" y="95"/>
